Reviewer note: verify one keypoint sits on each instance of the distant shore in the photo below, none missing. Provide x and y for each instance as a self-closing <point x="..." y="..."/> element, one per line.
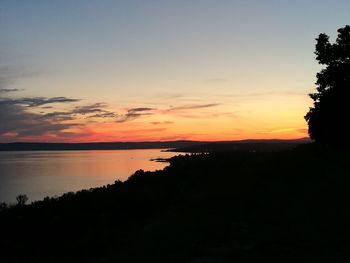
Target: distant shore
<point x="43" y="146"/>
<point x="175" y="146"/>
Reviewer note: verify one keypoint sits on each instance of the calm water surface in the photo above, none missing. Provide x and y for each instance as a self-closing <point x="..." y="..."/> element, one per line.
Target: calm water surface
<point x="52" y="173"/>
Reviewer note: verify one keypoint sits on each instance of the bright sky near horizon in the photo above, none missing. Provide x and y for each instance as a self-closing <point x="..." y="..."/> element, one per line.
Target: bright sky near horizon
<point x="133" y="70"/>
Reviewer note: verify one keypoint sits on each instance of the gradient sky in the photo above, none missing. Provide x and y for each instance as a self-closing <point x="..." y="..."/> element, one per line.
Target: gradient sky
<point x="159" y="70"/>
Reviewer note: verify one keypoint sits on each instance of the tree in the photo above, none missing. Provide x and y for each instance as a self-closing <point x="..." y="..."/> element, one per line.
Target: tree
<point x="21" y="199"/>
<point x="3" y="206"/>
<point x="328" y="118"/>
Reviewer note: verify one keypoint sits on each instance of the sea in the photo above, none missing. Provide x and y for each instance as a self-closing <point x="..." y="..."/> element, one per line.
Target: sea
<point x="39" y="174"/>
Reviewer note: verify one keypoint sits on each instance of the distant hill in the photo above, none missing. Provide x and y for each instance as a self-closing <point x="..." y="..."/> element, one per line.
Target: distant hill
<point x="244" y="145"/>
<point x="177" y="146"/>
<point x="42" y="146"/>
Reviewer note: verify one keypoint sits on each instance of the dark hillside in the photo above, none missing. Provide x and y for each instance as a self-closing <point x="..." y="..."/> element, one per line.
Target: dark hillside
<point x="290" y="206"/>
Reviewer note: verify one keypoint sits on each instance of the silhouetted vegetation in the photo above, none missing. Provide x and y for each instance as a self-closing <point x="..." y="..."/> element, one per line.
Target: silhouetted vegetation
<point x="327" y="119"/>
<point x="3" y="206"/>
<point x="43" y="146"/>
<point x="244" y="145"/>
<point x="21" y="199"/>
<point x="288" y="206"/>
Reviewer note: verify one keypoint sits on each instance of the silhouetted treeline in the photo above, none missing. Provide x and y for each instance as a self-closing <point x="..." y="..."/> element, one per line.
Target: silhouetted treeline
<point x="37" y="146"/>
<point x="244" y="145"/>
<point x="289" y="206"/>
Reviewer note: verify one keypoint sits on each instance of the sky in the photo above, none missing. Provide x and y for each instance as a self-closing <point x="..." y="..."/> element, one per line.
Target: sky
<point x="156" y="70"/>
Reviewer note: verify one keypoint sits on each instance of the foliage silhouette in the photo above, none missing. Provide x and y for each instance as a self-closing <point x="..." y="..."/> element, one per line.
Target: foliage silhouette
<point x="327" y="119"/>
<point x="3" y="206"/>
<point x="21" y="199"/>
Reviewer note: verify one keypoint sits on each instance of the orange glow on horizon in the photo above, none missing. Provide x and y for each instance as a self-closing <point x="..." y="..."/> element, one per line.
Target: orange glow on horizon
<point x="262" y="117"/>
<point x="112" y="132"/>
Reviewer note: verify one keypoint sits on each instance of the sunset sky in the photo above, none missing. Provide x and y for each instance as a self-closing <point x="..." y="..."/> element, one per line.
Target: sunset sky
<point x="77" y="71"/>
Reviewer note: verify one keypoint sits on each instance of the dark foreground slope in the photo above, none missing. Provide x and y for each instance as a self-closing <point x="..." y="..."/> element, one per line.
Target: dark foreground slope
<point x="290" y="206"/>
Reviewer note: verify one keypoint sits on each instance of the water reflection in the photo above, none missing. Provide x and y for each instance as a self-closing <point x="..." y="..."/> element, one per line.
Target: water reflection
<point x="49" y="173"/>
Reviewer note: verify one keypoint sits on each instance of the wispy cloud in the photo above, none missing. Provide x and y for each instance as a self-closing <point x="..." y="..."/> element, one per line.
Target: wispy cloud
<point x="15" y="119"/>
<point x="88" y="109"/>
<point x="6" y="90"/>
<point x="141" y="109"/>
<point x="194" y="111"/>
<point x="34" y="101"/>
<point x="134" y="113"/>
<point x="96" y="110"/>
<point x="19" y="116"/>
<point x="40" y="101"/>
<point x="192" y="107"/>
<point x="162" y="122"/>
<point x="104" y="114"/>
<point x="284" y="130"/>
<point x="58" y="116"/>
<point x="169" y="95"/>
